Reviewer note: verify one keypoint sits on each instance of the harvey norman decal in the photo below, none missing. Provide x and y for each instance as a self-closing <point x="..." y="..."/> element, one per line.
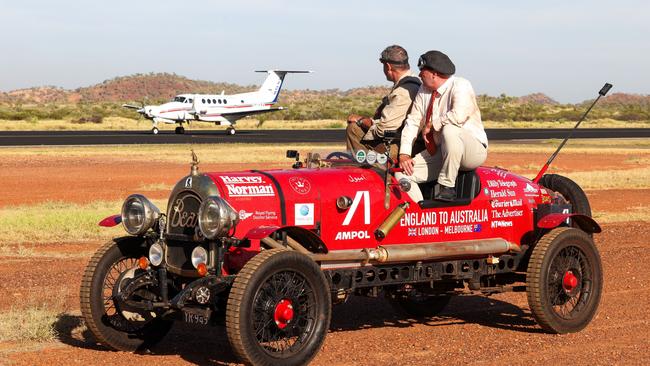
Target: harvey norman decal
<point x="248" y="186"/>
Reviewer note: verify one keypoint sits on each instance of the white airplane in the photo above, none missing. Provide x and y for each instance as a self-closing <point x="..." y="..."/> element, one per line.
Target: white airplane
<point x="223" y="110"/>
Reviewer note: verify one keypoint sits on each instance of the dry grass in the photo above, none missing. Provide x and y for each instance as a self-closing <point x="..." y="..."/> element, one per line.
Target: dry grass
<point x="612" y="179"/>
<point x="58" y="222"/>
<point x="121" y="123"/>
<point x="207" y="153"/>
<point x="639" y="213"/>
<point x="34" y="319"/>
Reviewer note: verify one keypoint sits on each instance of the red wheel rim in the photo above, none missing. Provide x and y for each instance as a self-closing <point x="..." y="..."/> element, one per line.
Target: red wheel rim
<point x="283" y="313"/>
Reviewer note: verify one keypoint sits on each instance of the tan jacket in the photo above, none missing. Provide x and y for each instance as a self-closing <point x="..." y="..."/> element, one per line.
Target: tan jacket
<point x="394" y="107"/>
<point x="456" y="105"/>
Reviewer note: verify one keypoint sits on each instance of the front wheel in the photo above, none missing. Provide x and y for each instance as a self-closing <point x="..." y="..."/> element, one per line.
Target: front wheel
<point x="564" y="280"/>
<point x="278" y="310"/>
<point x="109" y="267"/>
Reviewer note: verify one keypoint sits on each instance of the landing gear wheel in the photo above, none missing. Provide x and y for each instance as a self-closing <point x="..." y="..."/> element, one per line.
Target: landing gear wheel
<point x="179" y="130"/>
<point x="278" y="310"/>
<point x="230" y="131"/>
<point x="564" y="280"/>
<point x="569" y="190"/>
<point x="101" y="314"/>
<point x="155" y="130"/>
<point x="419" y="304"/>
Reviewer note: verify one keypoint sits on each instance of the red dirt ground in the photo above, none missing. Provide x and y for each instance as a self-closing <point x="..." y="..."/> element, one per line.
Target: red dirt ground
<point x="473" y="329"/>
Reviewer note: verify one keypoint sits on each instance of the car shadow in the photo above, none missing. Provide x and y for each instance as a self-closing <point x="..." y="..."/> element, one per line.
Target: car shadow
<point x="363" y="313"/>
<point x="209" y="345"/>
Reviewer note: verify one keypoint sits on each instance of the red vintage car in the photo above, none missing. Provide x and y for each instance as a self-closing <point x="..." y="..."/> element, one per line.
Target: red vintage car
<point x="270" y="251"/>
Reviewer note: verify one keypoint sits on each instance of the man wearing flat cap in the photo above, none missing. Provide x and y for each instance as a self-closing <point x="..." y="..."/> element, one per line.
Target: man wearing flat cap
<point x="446" y="113"/>
<point x="364" y="133"/>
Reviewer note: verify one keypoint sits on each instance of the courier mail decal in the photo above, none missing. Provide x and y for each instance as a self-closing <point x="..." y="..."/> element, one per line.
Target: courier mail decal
<point x="248" y="186"/>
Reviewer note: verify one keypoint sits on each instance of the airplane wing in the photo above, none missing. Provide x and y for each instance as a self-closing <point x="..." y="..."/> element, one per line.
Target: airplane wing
<point x="131" y="106"/>
<point x="239" y="115"/>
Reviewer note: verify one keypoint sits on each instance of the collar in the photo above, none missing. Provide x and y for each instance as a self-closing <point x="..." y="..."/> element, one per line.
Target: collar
<point x="405" y="75"/>
<point x="443" y="88"/>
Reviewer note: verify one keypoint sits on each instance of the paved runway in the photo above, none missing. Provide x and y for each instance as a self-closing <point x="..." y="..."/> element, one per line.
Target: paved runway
<point x="36" y="138"/>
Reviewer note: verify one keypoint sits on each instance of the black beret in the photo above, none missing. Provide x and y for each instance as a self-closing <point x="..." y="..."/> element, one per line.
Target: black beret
<point x="437" y="61"/>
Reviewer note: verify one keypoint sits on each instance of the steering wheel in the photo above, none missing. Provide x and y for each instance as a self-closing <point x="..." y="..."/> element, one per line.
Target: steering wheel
<point x="339" y="155"/>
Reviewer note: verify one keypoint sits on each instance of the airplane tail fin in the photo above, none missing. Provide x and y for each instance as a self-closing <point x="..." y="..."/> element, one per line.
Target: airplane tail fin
<point x="270" y="89"/>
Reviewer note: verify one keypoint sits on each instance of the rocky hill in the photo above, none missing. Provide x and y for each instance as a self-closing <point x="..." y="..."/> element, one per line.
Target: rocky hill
<point x="158" y="87"/>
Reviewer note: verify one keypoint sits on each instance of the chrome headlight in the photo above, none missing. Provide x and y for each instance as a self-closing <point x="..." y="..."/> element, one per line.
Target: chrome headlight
<point x="199" y="255"/>
<point x="138" y="214"/>
<point x="155" y="254"/>
<point x="216" y="217"/>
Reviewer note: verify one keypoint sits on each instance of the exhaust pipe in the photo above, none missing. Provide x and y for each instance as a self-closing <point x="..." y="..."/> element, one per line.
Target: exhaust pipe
<point x="420" y="252"/>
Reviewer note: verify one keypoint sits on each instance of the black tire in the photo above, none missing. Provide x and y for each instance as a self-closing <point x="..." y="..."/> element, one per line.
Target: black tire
<point x="570" y="190"/>
<point x="97" y="308"/>
<point x="420" y="305"/>
<point x="564" y="280"/>
<point x="255" y="332"/>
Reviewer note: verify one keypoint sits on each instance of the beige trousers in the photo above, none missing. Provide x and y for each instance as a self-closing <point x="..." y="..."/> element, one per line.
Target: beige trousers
<point x="459" y="149"/>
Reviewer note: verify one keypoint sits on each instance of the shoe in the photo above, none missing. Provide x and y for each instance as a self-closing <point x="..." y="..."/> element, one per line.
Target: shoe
<point x="446" y="194"/>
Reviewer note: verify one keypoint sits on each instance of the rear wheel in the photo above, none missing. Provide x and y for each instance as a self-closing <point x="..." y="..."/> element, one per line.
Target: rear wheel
<point x="101" y="280"/>
<point x="564" y="280"/>
<point x="278" y="310"/>
<point x="569" y="190"/>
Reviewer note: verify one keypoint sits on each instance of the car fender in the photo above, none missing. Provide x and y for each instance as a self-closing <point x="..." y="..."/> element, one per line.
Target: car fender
<point x="306" y="238"/>
<point x="554" y="220"/>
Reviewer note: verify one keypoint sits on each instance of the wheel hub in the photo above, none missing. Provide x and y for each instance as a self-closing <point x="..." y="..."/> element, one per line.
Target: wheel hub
<point x="569" y="281"/>
<point x="283" y="313"/>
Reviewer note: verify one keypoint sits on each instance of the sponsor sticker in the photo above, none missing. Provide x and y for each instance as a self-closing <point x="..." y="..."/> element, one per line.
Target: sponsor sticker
<point x="382" y="158"/>
<point x="300" y="185"/>
<point x="356" y="178"/>
<point x="248" y="186"/>
<point x="371" y="158"/>
<point x="304" y="213"/>
<point x="243" y="215"/>
<point x="360" y="156"/>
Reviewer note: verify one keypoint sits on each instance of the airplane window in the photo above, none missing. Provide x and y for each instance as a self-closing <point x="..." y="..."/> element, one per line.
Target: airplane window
<point x="214" y="101"/>
<point x="242" y="101"/>
<point x="225" y="101"/>
<point x="219" y="101"/>
<point x="203" y="101"/>
<point x="209" y="101"/>
<point x="190" y="100"/>
<point x="180" y="99"/>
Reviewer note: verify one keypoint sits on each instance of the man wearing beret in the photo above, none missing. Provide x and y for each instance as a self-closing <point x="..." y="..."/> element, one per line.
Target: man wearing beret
<point x="364" y="133"/>
<point x="446" y="113"/>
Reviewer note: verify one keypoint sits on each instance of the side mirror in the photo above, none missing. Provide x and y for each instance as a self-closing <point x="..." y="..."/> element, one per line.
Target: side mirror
<point x="293" y="154"/>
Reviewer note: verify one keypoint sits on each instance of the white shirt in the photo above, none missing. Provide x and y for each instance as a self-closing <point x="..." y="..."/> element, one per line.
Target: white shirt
<point x="456" y="105"/>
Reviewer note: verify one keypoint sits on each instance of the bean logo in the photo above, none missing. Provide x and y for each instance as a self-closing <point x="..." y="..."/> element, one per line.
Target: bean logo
<point x="300" y="185"/>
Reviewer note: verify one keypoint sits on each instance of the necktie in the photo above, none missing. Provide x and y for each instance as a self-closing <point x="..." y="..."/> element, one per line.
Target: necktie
<point x="430" y="144"/>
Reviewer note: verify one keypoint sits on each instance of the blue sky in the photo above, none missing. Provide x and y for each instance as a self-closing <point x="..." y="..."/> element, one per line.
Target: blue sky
<point x="566" y="49"/>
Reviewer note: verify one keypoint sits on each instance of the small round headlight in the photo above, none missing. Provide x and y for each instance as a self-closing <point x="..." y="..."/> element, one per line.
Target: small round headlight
<point x="199" y="255"/>
<point x="216" y="217"/>
<point x="155" y="254"/>
<point x="138" y="214"/>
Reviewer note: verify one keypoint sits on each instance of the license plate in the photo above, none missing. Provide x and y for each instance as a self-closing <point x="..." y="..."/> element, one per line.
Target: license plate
<point x="196" y="316"/>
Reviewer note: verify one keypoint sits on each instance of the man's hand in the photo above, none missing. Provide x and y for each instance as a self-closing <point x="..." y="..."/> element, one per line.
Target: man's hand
<point x="406" y="163"/>
<point x="425" y="133"/>
<point x="353" y="118"/>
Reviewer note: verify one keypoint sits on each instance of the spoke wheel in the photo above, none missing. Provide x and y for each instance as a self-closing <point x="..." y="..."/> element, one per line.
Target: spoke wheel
<point x="101" y="314"/>
<point x="564" y="280"/>
<point x="278" y="310"/>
